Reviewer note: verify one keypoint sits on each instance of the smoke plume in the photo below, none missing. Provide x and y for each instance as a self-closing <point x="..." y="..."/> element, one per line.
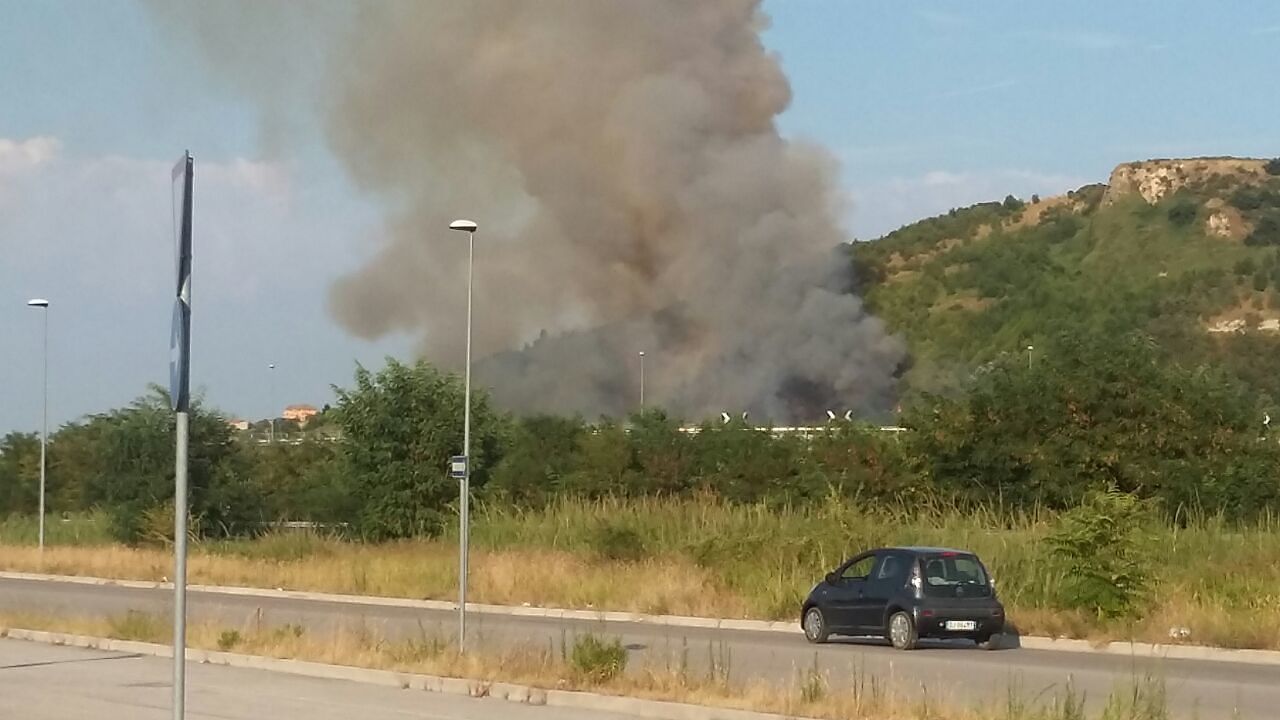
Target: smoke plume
<point x="632" y="190"/>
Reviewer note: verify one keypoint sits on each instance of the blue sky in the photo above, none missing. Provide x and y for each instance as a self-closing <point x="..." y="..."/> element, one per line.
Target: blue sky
<point x="927" y="106"/>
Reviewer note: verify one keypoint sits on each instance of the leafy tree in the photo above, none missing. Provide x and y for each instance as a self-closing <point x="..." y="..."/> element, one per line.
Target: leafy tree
<point x="663" y="455"/>
<point x="19" y="473"/>
<point x="745" y="464"/>
<point x="124" y="462"/>
<point x="605" y="464"/>
<point x="541" y="455"/>
<point x="400" y="427"/>
<point x="1099" y="411"/>
<point x="300" y="482"/>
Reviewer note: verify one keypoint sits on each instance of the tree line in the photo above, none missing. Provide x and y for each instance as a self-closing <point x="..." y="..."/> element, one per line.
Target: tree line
<point x="1090" y="412"/>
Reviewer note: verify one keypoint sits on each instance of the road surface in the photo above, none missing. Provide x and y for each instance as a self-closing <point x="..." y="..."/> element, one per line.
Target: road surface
<point x="46" y="682"/>
<point x="956" y="672"/>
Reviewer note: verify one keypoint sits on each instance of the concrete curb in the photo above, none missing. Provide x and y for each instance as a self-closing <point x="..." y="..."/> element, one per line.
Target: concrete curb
<point x="508" y="692"/>
<point x="1133" y="649"/>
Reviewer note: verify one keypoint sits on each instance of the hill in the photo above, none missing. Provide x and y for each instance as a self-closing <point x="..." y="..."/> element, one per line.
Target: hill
<point x="1186" y="252"/>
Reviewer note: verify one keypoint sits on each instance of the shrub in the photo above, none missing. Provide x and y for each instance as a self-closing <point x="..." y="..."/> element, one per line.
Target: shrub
<point x="1260" y="281"/>
<point x="228" y="639"/>
<point x="1100" y="545"/>
<point x="135" y="625"/>
<point x="615" y="542"/>
<point x="1246" y="267"/>
<point x="1266" y="232"/>
<point x="1183" y="212"/>
<point x="597" y="660"/>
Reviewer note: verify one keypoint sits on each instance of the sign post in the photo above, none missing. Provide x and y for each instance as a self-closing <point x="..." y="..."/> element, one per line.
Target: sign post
<point x="180" y="396"/>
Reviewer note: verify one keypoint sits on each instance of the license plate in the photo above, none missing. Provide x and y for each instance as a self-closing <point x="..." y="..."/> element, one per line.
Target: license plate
<point x="961" y="625"/>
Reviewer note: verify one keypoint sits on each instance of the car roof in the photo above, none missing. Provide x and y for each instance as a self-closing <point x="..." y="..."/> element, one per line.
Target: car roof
<point x="926" y="550"/>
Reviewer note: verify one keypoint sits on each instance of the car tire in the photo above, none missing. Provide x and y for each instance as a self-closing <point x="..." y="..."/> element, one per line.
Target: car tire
<point x="815" y="626"/>
<point x="988" y="642"/>
<point x="902" y="631"/>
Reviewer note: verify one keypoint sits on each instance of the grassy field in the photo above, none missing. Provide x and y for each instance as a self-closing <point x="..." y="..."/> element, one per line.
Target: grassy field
<point x="709" y="559"/>
<point x="601" y="665"/>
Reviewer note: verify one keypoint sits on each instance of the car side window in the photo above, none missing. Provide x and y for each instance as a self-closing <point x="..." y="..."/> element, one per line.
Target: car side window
<point x="893" y="567"/>
<point x="859" y="569"/>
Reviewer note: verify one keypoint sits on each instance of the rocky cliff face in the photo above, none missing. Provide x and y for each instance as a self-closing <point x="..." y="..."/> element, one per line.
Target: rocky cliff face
<point x="1157" y="179"/>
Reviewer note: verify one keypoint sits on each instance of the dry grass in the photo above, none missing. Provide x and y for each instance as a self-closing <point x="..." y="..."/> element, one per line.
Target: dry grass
<point x="806" y="695"/>
<point x="1222" y="582"/>
<point x="419" y="570"/>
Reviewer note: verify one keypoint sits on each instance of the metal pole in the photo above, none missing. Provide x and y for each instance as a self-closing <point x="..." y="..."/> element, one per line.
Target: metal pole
<point x="642" y="381"/>
<point x="44" y="424"/>
<point x="180" y="570"/>
<point x="271" y="373"/>
<point x="465" y="489"/>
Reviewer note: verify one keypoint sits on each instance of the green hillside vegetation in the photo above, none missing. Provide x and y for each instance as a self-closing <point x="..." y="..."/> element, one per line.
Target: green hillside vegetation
<point x="980" y="282"/>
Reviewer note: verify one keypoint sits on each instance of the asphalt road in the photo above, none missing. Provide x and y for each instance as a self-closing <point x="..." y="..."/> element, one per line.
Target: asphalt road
<point x="45" y="682"/>
<point x="942" y="672"/>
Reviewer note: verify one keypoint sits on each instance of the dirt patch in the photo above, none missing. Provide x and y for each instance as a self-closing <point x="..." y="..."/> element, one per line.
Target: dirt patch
<point x="1034" y="212"/>
<point x="898" y="260"/>
<point x="1225" y="222"/>
<point x="1246" y="316"/>
<point x="963" y="302"/>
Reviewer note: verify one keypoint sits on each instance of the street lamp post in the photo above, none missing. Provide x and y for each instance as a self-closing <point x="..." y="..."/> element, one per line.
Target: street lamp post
<point x="43" y="305"/>
<point x="1030" y="348"/>
<point x="641" y="381"/>
<point x="464" y="490"/>
<point x="271" y="373"/>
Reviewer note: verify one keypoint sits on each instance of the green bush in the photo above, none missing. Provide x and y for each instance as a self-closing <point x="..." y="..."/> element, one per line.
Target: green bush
<point x="596" y="660"/>
<point x="1266" y="231"/>
<point x="1245" y="267"/>
<point x="229" y="639"/>
<point x="616" y="542"/>
<point x="1183" y="212"/>
<point x="1101" y="548"/>
<point x="400" y="427"/>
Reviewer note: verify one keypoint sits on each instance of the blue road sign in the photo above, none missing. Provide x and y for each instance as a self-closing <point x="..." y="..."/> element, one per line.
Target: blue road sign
<point x="458" y="466"/>
<point x="180" y="331"/>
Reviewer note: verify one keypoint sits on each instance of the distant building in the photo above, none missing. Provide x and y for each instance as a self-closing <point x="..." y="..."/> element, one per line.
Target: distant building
<point x="241" y="425"/>
<point x="300" y="414"/>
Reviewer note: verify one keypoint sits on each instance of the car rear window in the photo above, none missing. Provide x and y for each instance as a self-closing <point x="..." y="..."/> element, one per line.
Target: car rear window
<point x="954" y="575"/>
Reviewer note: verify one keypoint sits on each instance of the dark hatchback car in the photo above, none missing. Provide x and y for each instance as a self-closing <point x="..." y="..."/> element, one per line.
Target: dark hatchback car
<point x="904" y="594"/>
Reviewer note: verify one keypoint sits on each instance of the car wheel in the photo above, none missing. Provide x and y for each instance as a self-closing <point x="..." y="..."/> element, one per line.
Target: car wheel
<point x="902" y="631"/>
<point x="815" y="626"/>
<point x="988" y="642"/>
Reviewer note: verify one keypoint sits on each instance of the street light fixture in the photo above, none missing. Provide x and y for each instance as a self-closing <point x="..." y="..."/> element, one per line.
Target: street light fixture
<point x="43" y="305"/>
<point x="464" y="490"/>
<point x="1030" y="348"/>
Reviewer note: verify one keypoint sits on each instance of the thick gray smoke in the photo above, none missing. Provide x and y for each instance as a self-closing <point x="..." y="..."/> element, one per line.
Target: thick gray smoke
<point x="632" y="190"/>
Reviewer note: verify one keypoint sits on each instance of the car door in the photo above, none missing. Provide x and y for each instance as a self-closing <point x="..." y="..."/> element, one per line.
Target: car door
<point x="887" y="577"/>
<point x="847" y="590"/>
